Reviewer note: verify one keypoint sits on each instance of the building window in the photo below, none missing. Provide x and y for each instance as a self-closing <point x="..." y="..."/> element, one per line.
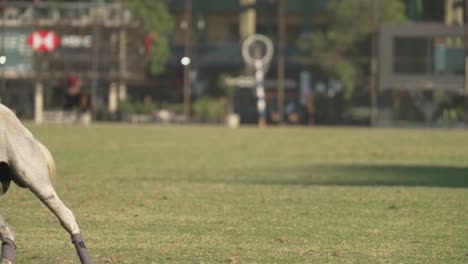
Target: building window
<point x="412" y="55"/>
<point x="449" y="56"/>
<point x="429" y="55"/>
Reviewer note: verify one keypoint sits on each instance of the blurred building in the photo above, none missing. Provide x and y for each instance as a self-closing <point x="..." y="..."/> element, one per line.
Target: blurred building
<point x="95" y="45"/>
<point x="102" y="45"/>
<point x="422" y="63"/>
<point x="43" y="43"/>
<point x="420" y="57"/>
<point x="218" y="29"/>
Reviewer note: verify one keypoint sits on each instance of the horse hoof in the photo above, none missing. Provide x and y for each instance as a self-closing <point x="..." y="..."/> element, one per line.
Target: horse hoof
<point x="81" y="249"/>
<point x="8" y="251"/>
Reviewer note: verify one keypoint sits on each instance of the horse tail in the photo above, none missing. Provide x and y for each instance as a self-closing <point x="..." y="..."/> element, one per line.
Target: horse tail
<point x="49" y="160"/>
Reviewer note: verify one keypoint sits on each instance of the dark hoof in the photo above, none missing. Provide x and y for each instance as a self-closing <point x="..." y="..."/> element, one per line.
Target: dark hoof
<point x="81" y="250"/>
<point x="9" y="250"/>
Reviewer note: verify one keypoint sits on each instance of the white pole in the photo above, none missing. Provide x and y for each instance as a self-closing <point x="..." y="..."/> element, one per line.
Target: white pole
<point x="112" y="99"/>
<point x="260" y="91"/>
<point x="38" y="103"/>
<point x="122" y="61"/>
<point x="465" y="34"/>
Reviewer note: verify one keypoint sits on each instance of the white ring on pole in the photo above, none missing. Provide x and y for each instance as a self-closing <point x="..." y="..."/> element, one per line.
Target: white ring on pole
<point x="251" y="40"/>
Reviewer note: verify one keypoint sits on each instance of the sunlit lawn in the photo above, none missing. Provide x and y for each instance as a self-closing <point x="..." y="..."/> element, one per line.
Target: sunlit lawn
<point x="186" y="194"/>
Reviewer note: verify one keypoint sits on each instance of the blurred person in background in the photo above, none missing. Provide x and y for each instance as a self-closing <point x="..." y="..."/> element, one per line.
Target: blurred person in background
<point x="291" y="112"/>
<point x="77" y="100"/>
<point x="307" y="103"/>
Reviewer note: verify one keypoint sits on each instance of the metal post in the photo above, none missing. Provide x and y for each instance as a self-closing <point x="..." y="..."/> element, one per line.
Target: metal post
<point x="248" y="19"/>
<point x="188" y="43"/>
<point x="122" y="57"/>
<point x="39" y="77"/>
<point x="466" y="59"/>
<point x="260" y="66"/>
<point x="95" y="59"/>
<point x="373" y="69"/>
<point x="3" y="84"/>
<point x="281" y="59"/>
<point x="260" y="92"/>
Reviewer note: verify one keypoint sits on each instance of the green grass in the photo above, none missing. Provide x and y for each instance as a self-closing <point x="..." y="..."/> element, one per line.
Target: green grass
<point x="175" y="194"/>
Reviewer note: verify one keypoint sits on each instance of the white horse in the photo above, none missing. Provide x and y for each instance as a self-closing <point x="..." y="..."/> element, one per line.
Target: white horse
<point x="29" y="164"/>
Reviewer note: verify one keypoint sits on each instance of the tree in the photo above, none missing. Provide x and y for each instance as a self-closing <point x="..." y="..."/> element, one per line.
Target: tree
<point x="159" y="23"/>
<point x="343" y="48"/>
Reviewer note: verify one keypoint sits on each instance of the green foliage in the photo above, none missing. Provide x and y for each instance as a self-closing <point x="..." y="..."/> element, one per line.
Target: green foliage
<point x="126" y="107"/>
<point x="343" y="50"/>
<point x="453" y="114"/>
<point x="450" y="107"/>
<point x="129" y="107"/>
<point x="209" y="109"/>
<point x="176" y="108"/>
<point x="158" y="21"/>
<point x="144" y="108"/>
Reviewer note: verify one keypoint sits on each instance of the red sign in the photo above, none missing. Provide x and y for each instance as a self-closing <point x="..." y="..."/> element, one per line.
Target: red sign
<point x="43" y="41"/>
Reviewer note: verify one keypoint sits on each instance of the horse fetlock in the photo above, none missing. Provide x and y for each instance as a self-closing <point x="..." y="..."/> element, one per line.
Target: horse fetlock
<point x="71" y="228"/>
<point x="6" y="232"/>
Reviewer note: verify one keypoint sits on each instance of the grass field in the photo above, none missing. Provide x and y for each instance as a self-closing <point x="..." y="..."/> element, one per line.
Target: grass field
<point x="175" y="194"/>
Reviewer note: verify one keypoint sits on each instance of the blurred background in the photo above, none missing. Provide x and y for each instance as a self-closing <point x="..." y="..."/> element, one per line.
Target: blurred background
<point x="353" y="62"/>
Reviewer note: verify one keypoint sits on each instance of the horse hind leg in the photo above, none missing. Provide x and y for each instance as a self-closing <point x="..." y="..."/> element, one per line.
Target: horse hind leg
<point x="8" y="245"/>
<point x="46" y="193"/>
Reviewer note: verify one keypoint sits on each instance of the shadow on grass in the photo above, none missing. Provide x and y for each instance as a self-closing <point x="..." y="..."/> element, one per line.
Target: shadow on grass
<point x="338" y="175"/>
<point x="369" y="175"/>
